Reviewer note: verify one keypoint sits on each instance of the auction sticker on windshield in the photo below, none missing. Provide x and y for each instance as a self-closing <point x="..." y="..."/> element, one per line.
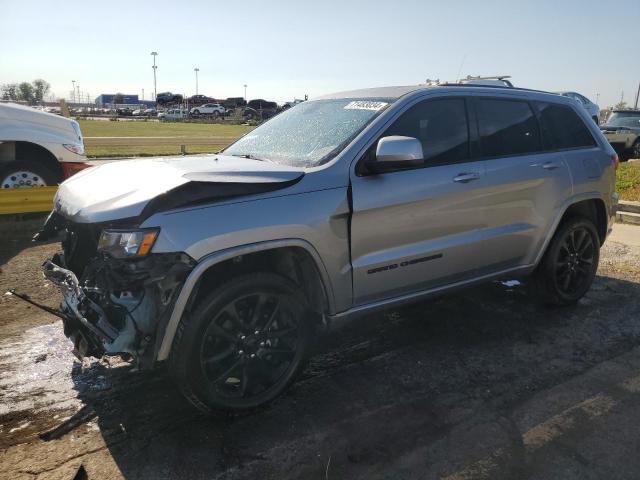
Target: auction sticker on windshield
<point x="365" y="105"/>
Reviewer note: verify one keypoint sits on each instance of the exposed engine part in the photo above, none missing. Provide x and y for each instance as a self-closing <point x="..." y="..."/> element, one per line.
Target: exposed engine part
<point x="114" y="306"/>
<point x="77" y="303"/>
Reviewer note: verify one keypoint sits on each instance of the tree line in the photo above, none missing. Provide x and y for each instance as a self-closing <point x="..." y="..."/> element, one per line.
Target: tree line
<point x="31" y="92"/>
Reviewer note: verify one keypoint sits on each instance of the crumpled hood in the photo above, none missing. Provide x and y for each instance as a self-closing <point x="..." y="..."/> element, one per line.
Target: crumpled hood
<point x="122" y="189"/>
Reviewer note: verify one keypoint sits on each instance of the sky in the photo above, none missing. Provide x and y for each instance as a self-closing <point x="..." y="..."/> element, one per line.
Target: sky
<point x="284" y="49"/>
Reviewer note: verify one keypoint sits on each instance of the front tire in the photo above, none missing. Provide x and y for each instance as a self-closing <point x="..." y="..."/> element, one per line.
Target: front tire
<point x="243" y="345"/>
<point x="569" y="265"/>
<point x="26" y="174"/>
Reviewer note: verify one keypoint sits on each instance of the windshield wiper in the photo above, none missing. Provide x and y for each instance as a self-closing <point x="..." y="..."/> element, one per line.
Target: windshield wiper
<point x="250" y="157"/>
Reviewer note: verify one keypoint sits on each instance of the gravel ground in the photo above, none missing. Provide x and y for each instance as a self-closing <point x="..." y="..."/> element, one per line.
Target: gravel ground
<point x="480" y="384"/>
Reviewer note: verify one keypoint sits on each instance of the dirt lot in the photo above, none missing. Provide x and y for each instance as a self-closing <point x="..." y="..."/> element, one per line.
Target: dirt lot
<point x="483" y="384"/>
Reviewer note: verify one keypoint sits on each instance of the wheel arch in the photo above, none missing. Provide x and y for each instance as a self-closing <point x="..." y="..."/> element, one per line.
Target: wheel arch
<point x="15" y="150"/>
<point x="296" y="259"/>
<point x="591" y="206"/>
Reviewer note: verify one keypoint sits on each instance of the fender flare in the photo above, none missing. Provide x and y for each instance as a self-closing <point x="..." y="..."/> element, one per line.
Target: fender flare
<point x="214" y="258"/>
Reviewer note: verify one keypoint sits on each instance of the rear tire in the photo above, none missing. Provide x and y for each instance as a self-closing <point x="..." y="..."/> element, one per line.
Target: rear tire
<point x="635" y="150"/>
<point x="26" y="174"/>
<point x="569" y="265"/>
<point x="243" y="345"/>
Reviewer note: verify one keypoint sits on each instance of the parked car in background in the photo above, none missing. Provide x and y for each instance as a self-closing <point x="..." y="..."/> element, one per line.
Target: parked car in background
<point x="233" y="102"/>
<point x="200" y="100"/>
<point x="168" y="97"/>
<point x="37" y="148"/>
<point x="622" y="129"/>
<point x="150" y="112"/>
<point x="173" y="114"/>
<point x="138" y="112"/>
<point x="288" y="105"/>
<point x="250" y="113"/>
<point x="214" y="109"/>
<point x="223" y="267"/>
<point x="260" y="104"/>
<point x="592" y="109"/>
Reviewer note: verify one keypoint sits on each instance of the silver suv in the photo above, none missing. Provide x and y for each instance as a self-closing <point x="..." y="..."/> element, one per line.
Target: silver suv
<point x="226" y="266"/>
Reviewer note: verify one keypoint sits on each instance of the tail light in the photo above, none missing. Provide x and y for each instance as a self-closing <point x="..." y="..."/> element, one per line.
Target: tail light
<point x="71" y="168"/>
<point x="615" y="160"/>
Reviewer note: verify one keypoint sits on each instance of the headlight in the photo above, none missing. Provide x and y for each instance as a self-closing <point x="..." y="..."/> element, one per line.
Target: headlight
<point x="75" y="148"/>
<point x="76" y="128"/>
<point x="127" y="243"/>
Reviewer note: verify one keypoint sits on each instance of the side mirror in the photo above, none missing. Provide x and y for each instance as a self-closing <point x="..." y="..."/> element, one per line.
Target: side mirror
<point x="395" y="153"/>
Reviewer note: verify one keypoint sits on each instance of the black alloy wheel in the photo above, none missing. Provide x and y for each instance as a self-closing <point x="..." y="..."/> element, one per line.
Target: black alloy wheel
<point x="569" y="266"/>
<point x="244" y="344"/>
<point x="575" y="261"/>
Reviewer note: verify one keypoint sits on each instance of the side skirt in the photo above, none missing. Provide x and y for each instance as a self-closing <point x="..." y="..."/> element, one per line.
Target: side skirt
<point x="339" y="319"/>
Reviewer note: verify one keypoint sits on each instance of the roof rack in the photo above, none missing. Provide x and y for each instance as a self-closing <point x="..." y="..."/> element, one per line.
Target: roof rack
<point x="479" y="80"/>
<point x="499" y="81"/>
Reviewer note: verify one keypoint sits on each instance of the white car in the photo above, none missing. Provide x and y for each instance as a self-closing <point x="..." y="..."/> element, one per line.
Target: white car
<point x="214" y="109"/>
<point x="37" y="148"/>
<point x="172" y="114"/>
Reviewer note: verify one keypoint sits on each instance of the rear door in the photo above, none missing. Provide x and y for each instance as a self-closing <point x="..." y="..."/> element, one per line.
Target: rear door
<point x="526" y="185"/>
<point x="419" y="228"/>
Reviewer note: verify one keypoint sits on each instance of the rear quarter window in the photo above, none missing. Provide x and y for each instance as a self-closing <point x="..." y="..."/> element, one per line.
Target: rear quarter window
<point x="563" y="128"/>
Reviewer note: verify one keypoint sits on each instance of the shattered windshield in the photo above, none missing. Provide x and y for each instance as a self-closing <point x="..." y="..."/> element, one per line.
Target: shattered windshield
<point x="310" y="133"/>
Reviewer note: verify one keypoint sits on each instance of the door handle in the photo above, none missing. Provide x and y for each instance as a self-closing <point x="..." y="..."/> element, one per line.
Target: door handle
<point x="546" y="165"/>
<point x="550" y="165"/>
<point x="466" y="177"/>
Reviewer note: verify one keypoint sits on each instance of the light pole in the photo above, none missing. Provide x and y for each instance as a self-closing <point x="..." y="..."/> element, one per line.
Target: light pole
<point x="245" y="92"/>
<point x="155" y="92"/>
<point x="78" y="95"/>
<point x="73" y="91"/>
<point x="196" y="70"/>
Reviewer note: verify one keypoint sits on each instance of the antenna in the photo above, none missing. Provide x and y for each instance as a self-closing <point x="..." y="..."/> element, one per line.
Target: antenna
<point x="464" y="57"/>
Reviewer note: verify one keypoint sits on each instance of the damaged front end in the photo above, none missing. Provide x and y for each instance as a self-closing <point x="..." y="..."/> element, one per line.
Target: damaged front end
<point x="117" y="297"/>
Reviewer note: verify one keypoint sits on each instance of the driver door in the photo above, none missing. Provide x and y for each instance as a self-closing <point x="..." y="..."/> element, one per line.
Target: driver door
<point x="421" y="228"/>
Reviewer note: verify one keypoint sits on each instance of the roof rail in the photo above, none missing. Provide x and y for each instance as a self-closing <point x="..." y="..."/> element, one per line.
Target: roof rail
<point x="480" y="80"/>
<point x="500" y="81"/>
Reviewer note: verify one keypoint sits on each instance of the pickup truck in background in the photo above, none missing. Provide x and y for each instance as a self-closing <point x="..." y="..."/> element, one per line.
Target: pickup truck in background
<point x="37" y="148"/>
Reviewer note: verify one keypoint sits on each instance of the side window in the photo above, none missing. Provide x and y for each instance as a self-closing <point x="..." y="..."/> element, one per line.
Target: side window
<point x="440" y="125"/>
<point x="507" y="127"/>
<point x="563" y="127"/>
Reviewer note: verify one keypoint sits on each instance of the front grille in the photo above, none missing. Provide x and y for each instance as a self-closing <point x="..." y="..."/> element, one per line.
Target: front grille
<point x="80" y="246"/>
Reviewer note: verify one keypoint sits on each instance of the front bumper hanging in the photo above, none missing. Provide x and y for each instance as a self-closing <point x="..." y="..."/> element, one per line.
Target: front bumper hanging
<point x="74" y="302"/>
